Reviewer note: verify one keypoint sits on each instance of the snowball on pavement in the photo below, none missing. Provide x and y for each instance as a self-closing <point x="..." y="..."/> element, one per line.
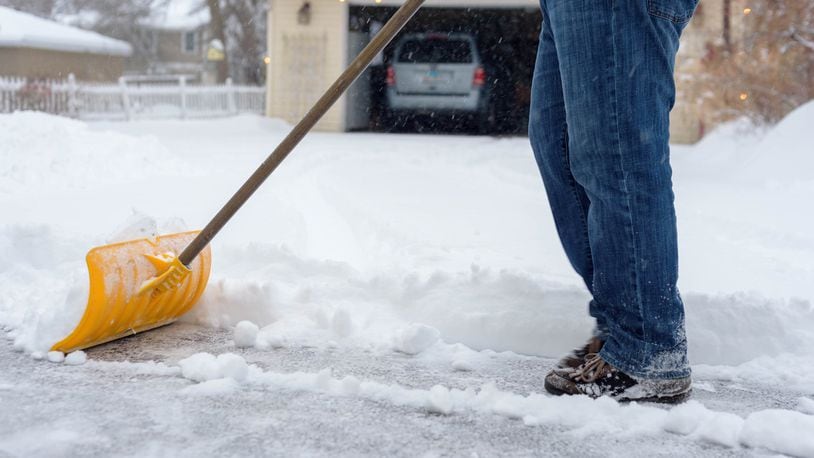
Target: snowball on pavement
<point x="686" y="418"/>
<point x="462" y="365"/>
<point x="416" y="338"/>
<point x="202" y="367"/>
<point x="439" y="400"/>
<point x="233" y="366"/>
<point x="246" y="334"/>
<point x="324" y="379"/>
<point x="56" y="356"/>
<point x="199" y="367"/>
<point x="76" y="358"/>
<point x="268" y="339"/>
<point x="350" y="385"/>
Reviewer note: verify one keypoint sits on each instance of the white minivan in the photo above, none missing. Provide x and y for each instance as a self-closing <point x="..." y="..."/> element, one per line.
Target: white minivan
<point x="437" y="73"/>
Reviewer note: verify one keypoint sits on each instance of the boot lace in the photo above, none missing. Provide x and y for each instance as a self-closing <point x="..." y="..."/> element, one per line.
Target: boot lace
<point x="591" y="370"/>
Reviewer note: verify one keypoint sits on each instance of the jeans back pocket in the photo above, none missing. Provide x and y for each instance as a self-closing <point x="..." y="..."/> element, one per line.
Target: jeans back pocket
<point x="678" y="11"/>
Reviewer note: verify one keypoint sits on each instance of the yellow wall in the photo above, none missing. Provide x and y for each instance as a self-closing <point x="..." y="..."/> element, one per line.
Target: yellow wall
<point x="41" y="63"/>
<point x="306" y="59"/>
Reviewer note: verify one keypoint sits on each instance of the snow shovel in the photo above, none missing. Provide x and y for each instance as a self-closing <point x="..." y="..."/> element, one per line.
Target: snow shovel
<point x="143" y="284"/>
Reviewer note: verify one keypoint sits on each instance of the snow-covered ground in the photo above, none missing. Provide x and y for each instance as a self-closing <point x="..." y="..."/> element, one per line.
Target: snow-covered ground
<point x="424" y="270"/>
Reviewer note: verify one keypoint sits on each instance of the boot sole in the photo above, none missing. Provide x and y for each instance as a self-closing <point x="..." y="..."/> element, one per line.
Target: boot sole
<point x="672" y="399"/>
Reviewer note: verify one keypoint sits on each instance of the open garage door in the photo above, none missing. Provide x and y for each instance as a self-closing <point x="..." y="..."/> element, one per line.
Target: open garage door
<point x="506" y="42"/>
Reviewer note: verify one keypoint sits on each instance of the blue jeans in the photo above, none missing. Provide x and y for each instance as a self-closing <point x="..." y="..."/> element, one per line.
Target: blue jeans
<point x="599" y="126"/>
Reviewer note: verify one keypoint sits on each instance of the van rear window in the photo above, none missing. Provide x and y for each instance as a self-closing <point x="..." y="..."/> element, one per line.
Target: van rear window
<point x="436" y="52"/>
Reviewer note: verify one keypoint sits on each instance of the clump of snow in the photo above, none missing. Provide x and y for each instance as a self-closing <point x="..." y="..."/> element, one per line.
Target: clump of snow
<point x="786" y="371"/>
<point x="416" y="338"/>
<point x="202" y="367"/>
<point x="229" y="301"/>
<point x="245" y="334"/>
<point x="76" y="358"/>
<point x="782" y="431"/>
<point x="439" y="400"/>
<point x="684" y="419"/>
<point x="806" y="405"/>
<point x="721" y="428"/>
<point x="140" y="225"/>
<point x="268" y="339"/>
<point x="351" y="385"/>
<point x="462" y="365"/>
<point x="56" y="356"/>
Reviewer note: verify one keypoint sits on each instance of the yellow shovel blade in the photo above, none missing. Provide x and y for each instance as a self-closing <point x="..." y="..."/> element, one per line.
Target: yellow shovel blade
<point x="118" y="305"/>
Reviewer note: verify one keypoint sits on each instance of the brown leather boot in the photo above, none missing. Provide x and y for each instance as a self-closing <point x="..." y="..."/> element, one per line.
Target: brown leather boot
<point x="577" y="357"/>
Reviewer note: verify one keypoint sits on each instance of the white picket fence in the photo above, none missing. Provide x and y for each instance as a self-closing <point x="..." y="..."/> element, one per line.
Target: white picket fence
<point x="127" y="100"/>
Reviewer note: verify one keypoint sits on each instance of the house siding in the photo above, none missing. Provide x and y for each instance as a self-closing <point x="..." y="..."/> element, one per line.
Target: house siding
<point x="306" y="59"/>
<point x="41" y="63"/>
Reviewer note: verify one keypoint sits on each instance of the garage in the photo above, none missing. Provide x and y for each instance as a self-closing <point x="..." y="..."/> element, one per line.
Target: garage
<point x="311" y="42"/>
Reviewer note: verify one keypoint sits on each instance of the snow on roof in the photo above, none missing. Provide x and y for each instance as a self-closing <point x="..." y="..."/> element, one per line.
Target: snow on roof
<point x="22" y="30"/>
<point x="178" y="14"/>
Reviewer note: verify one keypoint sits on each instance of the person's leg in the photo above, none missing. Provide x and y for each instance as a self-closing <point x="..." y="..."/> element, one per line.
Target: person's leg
<point x="616" y="63"/>
<point x="548" y="133"/>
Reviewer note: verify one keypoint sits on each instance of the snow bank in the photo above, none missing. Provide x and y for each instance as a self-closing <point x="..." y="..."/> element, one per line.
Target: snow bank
<point x="776" y="430"/>
<point x="43" y="151"/>
<point x="778" y="155"/>
<point x="784" y="153"/>
<point x="360" y="237"/>
<point x="355" y="238"/>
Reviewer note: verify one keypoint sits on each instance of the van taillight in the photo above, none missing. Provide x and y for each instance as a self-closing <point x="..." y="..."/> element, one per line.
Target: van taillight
<point x="479" y="79"/>
<point x="391" y="76"/>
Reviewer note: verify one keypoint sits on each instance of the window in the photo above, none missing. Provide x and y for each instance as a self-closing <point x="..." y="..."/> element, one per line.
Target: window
<point x="190" y="42"/>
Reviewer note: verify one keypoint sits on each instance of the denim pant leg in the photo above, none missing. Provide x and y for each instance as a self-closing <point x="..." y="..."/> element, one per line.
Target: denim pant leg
<point x="548" y="133"/>
<point x="616" y="62"/>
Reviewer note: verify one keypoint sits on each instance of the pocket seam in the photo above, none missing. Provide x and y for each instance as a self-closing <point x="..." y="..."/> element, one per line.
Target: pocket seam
<point x="655" y="11"/>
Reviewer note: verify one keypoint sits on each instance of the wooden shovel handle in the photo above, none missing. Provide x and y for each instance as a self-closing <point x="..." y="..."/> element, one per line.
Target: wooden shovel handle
<point x="382" y="39"/>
